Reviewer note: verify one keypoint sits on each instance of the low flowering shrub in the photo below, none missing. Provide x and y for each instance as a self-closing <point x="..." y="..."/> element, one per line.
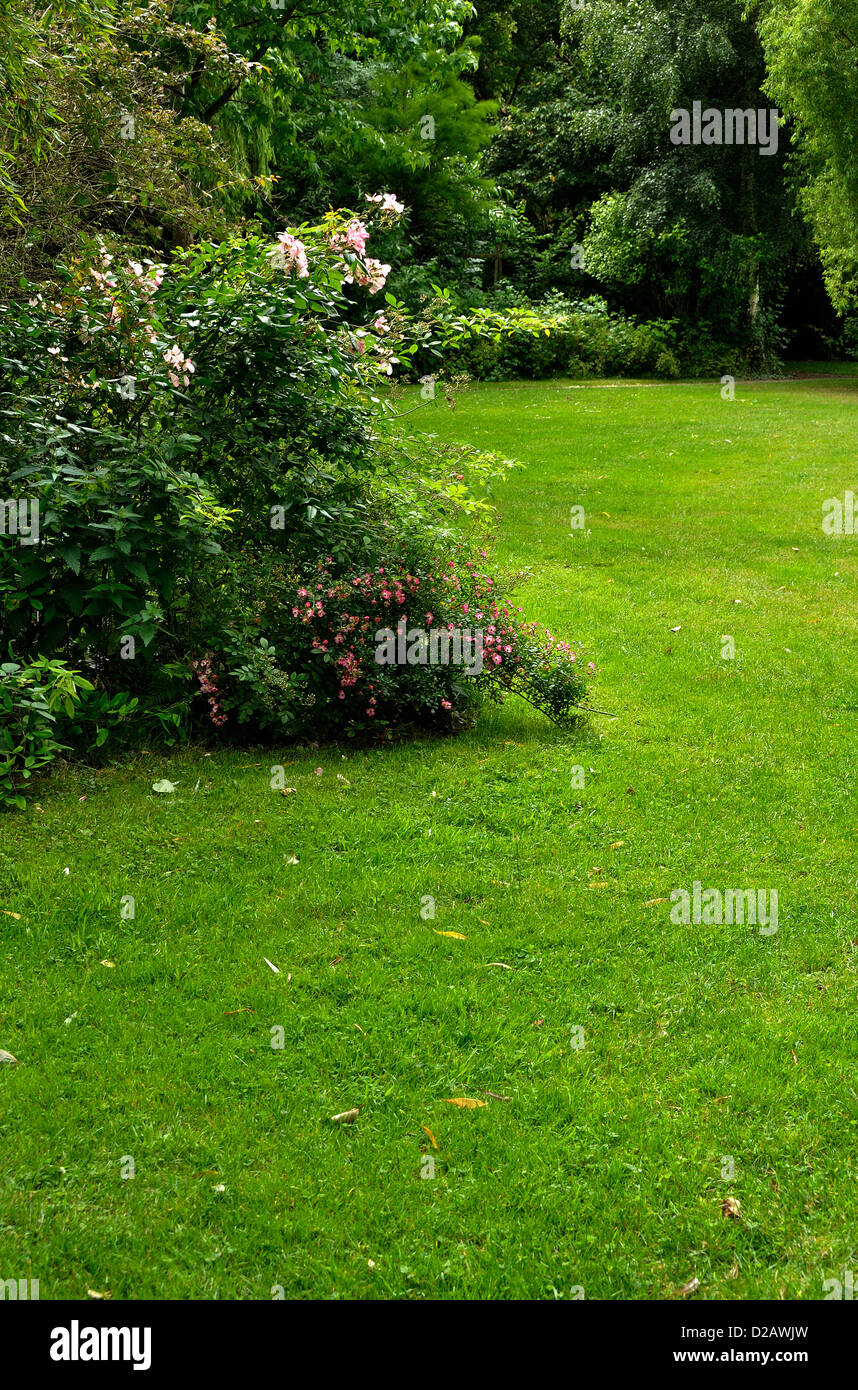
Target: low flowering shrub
<point x="376" y="646"/>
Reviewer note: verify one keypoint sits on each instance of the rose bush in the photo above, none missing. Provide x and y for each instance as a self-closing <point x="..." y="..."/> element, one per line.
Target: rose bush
<point x="200" y="438"/>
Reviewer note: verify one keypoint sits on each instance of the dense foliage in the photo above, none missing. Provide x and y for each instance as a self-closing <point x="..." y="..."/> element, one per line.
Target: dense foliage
<point x="199" y="419"/>
<point x="182" y="442"/>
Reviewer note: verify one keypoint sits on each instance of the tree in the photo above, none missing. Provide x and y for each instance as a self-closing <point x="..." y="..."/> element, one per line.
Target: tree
<point x="701" y="231"/>
<point x="811" y="47"/>
<point x="28" y="62"/>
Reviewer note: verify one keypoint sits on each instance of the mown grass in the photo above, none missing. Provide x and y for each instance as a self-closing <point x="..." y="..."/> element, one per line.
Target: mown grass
<point x="603" y="1167"/>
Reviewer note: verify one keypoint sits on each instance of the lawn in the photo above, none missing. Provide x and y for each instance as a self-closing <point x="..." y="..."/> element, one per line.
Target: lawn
<point x="627" y="1065"/>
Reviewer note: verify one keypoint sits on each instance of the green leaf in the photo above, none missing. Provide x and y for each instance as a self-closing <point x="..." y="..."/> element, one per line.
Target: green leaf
<point x="71" y="555"/>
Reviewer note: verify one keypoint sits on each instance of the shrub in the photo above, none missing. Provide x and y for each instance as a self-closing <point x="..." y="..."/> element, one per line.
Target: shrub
<point x="356" y="651"/>
<point x="31" y="697"/>
<point x="505" y="337"/>
<point x="196" y="437"/>
<point x="556" y="337"/>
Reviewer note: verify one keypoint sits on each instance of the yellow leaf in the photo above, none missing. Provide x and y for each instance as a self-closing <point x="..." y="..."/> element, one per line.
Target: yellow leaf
<point x="653" y="901"/>
<point x="16" y="915"/>
<point x="431" y="1136"/>
<point x="466" y="1103"/>
<point x="457" y="934"/>
<point x="617" y="843"/>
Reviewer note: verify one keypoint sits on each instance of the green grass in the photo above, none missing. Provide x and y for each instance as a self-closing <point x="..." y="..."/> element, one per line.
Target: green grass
<point x="603" y="1168"/>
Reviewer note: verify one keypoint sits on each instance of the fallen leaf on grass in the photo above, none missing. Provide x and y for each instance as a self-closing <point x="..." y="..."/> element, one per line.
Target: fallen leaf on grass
<point x="109" y="963"/>
<point x="731" y="1207"/>
<point x="497" y="962"/>
<point x="292" y="859"/>
<point x="164" y="786"/>
<point x="494" y="1095"/>
<point x="271" y="965"/>
<point x="466" y="1103"/>
<point x="457" y="934"/>
<point x="617" y="844"/>
<point x="7" y="1059"/>
<point x="16" y="915"/>
<point x="93" y="1293"/>
<point x="677" y="629"/>
<point x="691" y="1287"/>
<point x="431" y="1136"/>
<point x="346" y="1117"/>
<point x="652" y="902"/>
